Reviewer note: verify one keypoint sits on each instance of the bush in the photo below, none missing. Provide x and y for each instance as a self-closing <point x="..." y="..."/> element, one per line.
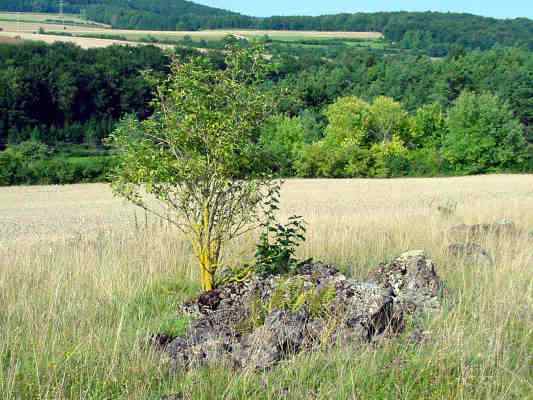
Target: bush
<point x="31" y="163"/>
<point x="426" y="161"/>
<point x="11" y="163"/>
<point x="275" y="252"/>
<point x="390" y="159"/>
<point x="483" y="135"/>
<point x="282" y="139"/>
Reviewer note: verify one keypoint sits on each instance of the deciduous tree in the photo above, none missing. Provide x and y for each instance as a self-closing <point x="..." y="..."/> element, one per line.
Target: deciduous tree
<point x="196" y="154"/>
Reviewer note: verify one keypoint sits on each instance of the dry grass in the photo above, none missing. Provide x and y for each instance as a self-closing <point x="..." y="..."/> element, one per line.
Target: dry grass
<point x="83" y="42"/>
<point x="80" y="285"/>
<point x="10" y="40"/>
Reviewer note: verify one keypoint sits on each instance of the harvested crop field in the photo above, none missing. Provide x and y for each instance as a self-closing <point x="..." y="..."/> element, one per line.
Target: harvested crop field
<point x="10" y="40"/>
<point x="84" y="279"/>
<point x="83" y="42"/>
<point x="50" y="212"/>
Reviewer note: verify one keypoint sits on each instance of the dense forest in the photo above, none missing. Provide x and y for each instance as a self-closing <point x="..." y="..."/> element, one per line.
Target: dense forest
<point x="341" y="111"/>
<point x="435" y="33"/>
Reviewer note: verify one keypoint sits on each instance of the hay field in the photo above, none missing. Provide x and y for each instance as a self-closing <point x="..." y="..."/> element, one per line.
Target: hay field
<point x="10" y="40"/>
<point x="83" y="42"/>
<point x="82" y="282"/>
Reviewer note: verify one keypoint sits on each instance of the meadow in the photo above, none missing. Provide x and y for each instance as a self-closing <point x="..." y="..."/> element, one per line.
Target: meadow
<point x="84" y="278"/>
<point x="88" y="34"/>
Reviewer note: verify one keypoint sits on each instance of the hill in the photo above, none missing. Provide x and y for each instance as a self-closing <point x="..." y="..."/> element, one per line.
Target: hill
<point x="436" y="33"/>
<point x="136" y="14"/>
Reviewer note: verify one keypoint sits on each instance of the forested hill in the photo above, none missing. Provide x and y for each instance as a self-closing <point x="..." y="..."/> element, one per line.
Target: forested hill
<point x="136" y="14"/>
<point x="431" y="31"/>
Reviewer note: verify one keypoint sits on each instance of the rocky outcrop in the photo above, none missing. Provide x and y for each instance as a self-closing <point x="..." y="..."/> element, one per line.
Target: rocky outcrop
<point x="413" y="279"/>
<point x="257" y="323"/>
<point x="472" y="233"/>
<point x="470" y="253"/>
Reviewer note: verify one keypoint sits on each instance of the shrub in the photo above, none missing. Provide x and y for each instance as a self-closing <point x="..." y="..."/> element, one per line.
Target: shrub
<point x="390" y="159"/>
<point x="282" y="139"/>
<point x="483" y="135"/>
<point x="11" y="164"/>
<point x="426" y="161"/>
<point x="275" y="252"/>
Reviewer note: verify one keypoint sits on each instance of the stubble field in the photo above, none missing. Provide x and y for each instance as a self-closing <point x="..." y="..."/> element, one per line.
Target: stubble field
<point x="84" y="278"/>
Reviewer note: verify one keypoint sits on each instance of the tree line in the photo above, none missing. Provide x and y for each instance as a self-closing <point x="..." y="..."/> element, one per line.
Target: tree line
<point x="477" y="134"/>
<point x="61" y="95"/>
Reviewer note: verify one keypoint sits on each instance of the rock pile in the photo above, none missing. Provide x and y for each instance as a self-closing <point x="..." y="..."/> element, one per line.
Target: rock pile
<point x="257" y="323"/>
<point x="465" y="241"/>
<point x="471" y="233"/>
<point x="471" y="253"/>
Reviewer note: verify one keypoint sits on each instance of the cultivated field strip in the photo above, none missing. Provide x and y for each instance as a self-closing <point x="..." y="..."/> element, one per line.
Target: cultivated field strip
<point x="83" y="42"/>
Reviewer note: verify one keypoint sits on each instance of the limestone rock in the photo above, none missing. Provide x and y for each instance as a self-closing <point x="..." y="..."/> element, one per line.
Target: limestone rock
<point x="413" y="279"/>
<point x="470" y="253"/>
<point x="354" y="313"/>
<point x="471" y="233"/>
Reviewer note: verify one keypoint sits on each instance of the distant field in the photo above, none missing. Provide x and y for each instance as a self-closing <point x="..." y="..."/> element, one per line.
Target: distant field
<point x="31" y="23"/>
<point x="45" y="17"/>
<point x="10" y="40"/>
<point x="45" y="212"/>
<point x="86" y="43"/>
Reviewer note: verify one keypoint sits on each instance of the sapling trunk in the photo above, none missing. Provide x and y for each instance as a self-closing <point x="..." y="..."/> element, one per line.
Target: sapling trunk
<point x="207" y="251"/>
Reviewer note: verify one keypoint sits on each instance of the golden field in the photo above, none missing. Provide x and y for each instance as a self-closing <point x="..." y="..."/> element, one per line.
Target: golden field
<point x="80" y="269"/>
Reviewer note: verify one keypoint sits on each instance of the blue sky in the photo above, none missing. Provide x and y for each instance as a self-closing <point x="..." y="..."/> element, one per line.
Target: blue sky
<point x="492" y="8"/>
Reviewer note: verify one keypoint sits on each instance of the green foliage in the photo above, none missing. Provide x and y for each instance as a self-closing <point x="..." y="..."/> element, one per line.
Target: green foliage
<point x="428" y="126"/>
<point x="483" y="135"/>
<point x="196" y="154"/>
<point x="426" y="161"/>
<point x="337" y="103"/>
<point x="11" y="163"/>
<point x="390" y="158"/>
<point x="276" y="250"/>
<point x="32" y="150"/>
<point x="388" y="121"/>
<point x="362" y="139"/>
<point x="33" y="163"/>
<point x="282" y="139"/>
<point x="291" y="294"/>
<point x="349" y="121"/>
<point x="62" y="93"/>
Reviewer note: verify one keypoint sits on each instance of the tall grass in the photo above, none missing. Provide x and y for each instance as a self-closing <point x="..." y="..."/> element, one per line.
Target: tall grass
<point x="75" y="313"/>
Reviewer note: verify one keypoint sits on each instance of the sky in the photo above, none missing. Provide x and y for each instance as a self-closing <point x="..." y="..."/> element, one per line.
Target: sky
<point x="264" y="8"/>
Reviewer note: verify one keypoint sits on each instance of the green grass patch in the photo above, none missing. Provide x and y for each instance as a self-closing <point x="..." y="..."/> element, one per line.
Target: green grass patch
<point x="155" y="308"/>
